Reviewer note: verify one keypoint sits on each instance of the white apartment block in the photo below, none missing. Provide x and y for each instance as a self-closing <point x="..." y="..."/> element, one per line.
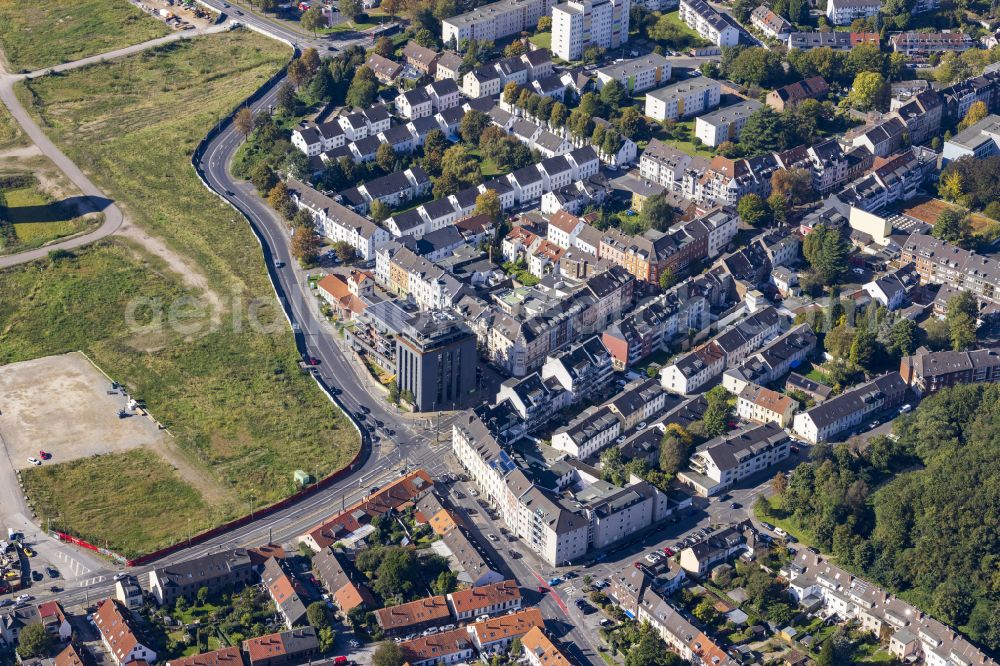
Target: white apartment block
<point x="684" y="98"/>
<point x="637" y="74"/>
<point x="578" y="24"/>
<point x="843" y="12"/>
<point x="725" y="460"/>
<point x="493" y="21"/>
<point x="725" y="124"/>
<point x="337" y="222"/>
<point x="708" y="23"/>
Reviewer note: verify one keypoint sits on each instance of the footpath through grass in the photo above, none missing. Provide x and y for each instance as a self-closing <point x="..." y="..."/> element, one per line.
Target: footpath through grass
<point x="232" y="395"/>
<point x="34" y="35"/>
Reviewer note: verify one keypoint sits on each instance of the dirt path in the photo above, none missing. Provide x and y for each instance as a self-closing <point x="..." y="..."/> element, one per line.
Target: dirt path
<point x="180" y="265"/>
<point x="23" y="151"/>
<point x="195" y="474"/>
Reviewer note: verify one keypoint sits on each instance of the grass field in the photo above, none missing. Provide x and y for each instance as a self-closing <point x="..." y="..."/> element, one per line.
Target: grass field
<point x="36" y="219"/>
<point x="42" y="34"/>
<point x="681" y="138"/>
<point x="233" y="396"/>
<point x="11" y="135"/>
<point x="542" y="40"/>
<point x="91" y="489"/>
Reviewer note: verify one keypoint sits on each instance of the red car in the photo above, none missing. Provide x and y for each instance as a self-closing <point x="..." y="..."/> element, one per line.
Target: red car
<point x="638" y="565"/>
<point x="44" y="455"/>
<point x="541" y="590"/>
<point x="668" y="551"/>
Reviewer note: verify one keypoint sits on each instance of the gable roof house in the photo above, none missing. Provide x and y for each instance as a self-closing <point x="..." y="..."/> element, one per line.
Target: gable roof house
<point x="794" y="93"/>
<point x="119" y="636"/>
<point x="285" y="591"/>
<point x="294" y="646"/>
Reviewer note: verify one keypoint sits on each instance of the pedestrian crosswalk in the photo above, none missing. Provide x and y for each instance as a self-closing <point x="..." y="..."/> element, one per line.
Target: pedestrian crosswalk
<point x="92" y="581"/>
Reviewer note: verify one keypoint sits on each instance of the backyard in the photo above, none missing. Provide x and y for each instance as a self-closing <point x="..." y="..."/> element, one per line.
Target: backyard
<point x="231" y="393"/>
<point x="680" y="135"/>
<point x="42" y="34"/>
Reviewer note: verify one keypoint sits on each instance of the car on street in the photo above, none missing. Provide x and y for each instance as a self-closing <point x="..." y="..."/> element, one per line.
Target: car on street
<point x="492" y="537"/>
<point x="120" y="575"/>
<point x="279" y="264"/>
<point x="24" y="598"/>
<point x="34" y="461"/>
<point x="37" y="576"/>
<point x="474" y="492"/>
<point x="55" y="588"/>
<point x="767" y="526"/>
<point x="555" y="581"/>
<point x="27" y="551"/>
<point x="735" y="505"/>
<point x="52" y="572"/>
<point x="373" y="490"/>
<point x="780" y="532"/>
<point x="514" y="555"/>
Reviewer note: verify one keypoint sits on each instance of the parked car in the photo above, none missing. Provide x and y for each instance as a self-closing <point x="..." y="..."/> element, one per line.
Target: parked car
<point x="44" y="455"/>
<point x="492" y="537"/>
<point x="653" y="558"/>
<point x="52" y="572"/>
<point x="780" y="532"/>
<point x="34" y="461"/>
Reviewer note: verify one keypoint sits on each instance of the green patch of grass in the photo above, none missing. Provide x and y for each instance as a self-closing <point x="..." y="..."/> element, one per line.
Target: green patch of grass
<point x="490" y="168"/>
<point x="42" y="34"/>
<point x="11" y="135"/>
<point x="232" y="395"/>
<point x="350" y="26"/>
<point x="36" y="234"/>
<point x="681" y="137"/>
<point x="134" y="487"/>
<point x="542" y="40"/>
<point x="35" y="219"/>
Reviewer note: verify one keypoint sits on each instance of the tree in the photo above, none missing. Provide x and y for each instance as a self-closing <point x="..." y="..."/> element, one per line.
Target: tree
<point x="667" y="278"/>
<point x="951" y="187"/>
<point x="363" y="88"/>
<point x="311" y="61"/>
<point x="243" y="120"/>
<point x="459" y="163"/>
<point x="869" y="92"/>
<point x="838" y="341"/>
<point x="435" y="144"/>
<point x="793" y="184"/>
<point x="613" y="93"/>
<point x="650" y="650"/>
<point x="962" y="315"/>
<point x="613" y="465"/>
<point x="705" y="611"/>
<point x="446" y="583"/>
<point x="298" y="72"/>
<point x="674" y="452"/>
<point x="756" y="66"/>
<point x="472" y="126"/>
<point x="753" y="210"/>
<point x="384" y="47"/>
<point x="657" y="213"/>
<point x="580" y="124"/>
<point x="863" y="348"/>
<point x="391" y="7"/>
<point x="514" y="49"/>
<point x="380" y="211"/>
<point x="306" y="245"/>
<point x="826" y="251"/>
<point x="263" y="178"/>
<point x="511" y="92"/>
<point x="34" y="641"/>
<point x="559" y="115"/>
<point x="318" y="615"/>
<point x="488" y="203"/>
<point x="779" y="483"/>
<point x="388" y="654"/>
<point x="345" y="251"/>
<point x="350" y="8"/>
<point x="544" y="24"/>
<point x="718" y="413"/>
<point x="322" y="88"/>
<point x="286" y="97"/>
<point x="952" y="225"/>
<point x="977" y="111"/>
<point x="631" y="123"/>
<point x="385" y="157"/>
<point x="902" y="338"/>
<point x="763" y="132"/>
<point x="202" y="596"/>
<point x="278" y="197"/>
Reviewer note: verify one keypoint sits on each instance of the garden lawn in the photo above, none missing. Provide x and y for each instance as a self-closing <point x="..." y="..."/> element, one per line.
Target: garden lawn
<point x="542" y="40"/>
<point x="232" y="394"/>
<point x="132" y="488"/>
<point x="683" y="129"/>
<point x="42" y="34"/>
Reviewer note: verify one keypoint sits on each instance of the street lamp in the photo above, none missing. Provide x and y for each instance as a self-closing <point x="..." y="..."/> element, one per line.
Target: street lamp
<point x="252" y="498"/>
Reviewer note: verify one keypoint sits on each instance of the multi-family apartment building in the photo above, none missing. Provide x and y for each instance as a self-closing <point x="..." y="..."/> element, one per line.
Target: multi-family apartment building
<point x="837" y="415"/>
<point x="725" y="124"/>
<point x="493" y="21"/>
<point x="686" y="98"/>
<point x="913" y="636"/>
<point x="729" y="348"/>
<point x="773" y="25"/>
<point x="119" y="635"/>
<point x="578" y="24"/>
<point x="710" y="24"/>
<point x="231" y="568"/>
<point x="980" y="140"/>
<point x="920" y="45"/>
<point x="838" y="40"/>
<point x="772" y="361"/>
<point x="762" y="405"/>
<point x="927" y="372"/>
<point x="337" y="222"/>
<point x="843" y="12"/>
<point x="921" y="114"/>
<point x="636" y="74"/>
<point x="721" y="462"/>
<point x="940" y="262"/>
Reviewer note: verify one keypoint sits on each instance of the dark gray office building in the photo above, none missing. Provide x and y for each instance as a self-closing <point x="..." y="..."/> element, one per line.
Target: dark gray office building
<point x="436" y="361"/>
